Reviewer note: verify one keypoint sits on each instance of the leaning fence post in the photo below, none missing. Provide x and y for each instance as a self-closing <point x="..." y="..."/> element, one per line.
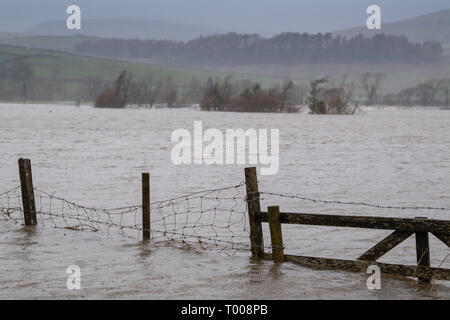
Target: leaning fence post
<point x="26" y="184"/>
<point x="276" y="234"/>
<point x="423" y="251"/>
<point x="146" y="206"/>
<point x="254" y="208"/>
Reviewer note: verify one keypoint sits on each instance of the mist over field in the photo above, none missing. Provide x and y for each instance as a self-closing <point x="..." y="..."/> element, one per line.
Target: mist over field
<point x="173" y="51"/>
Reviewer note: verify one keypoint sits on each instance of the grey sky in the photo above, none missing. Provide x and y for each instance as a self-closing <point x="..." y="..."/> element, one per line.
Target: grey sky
<point x="261" y="16"/>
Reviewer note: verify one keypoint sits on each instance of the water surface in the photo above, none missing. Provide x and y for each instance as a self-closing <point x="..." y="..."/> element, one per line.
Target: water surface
<point x="95" y="158"/>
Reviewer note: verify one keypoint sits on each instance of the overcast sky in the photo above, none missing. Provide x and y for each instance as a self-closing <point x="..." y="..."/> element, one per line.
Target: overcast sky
<point x="261" y="16"/>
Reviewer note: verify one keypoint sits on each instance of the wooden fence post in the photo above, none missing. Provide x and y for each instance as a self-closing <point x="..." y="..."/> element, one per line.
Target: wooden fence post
<point x="26" y="184"/>
<point x="276" y="234"/>
<point x="254" y="208"/>
<point x="423" y="251"/>
<point x="146" y="206"/>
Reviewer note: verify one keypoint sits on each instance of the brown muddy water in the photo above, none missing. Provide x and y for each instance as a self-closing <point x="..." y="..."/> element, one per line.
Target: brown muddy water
<point x="93" y="157"/>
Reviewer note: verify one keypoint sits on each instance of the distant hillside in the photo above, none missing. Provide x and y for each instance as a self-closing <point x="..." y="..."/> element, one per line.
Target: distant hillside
<point x="58" y="43"/>
<point x="430" y="27"/>
<point x="247" y="49"/>
<point x="77" y="67"/>
<point x="58" y="76"/>
<point x="127" y="28"/>
<point x="7" y="35"/>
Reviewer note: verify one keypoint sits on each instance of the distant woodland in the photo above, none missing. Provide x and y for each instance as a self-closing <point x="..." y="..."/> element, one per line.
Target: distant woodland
<point x="284" y="49"/>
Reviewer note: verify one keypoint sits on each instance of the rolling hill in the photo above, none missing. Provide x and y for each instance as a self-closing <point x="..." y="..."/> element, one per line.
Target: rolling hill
<point x="126" y="28"/>
<point x="58" y="43"/>
<point x="72" y="72"/>
<point x="54" y="35"/>
<point x="430" y="27"/>
<point x="76" y="67"/>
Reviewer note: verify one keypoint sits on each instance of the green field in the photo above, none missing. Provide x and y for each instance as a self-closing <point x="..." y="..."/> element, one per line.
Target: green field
<point x="79" y="67"/>
<point x="76" y="67"/>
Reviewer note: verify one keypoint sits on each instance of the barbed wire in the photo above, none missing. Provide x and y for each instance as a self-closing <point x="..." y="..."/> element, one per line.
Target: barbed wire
<point x="208" y="219"/>
<point x="213" y="219"/>
<point x="351" y="203"/>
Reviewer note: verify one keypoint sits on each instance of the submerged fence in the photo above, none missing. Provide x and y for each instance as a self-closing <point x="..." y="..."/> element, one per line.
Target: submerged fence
<point x="421" y="227"/>
<point x="224" y="219"/>
<point x="209" y="219"/>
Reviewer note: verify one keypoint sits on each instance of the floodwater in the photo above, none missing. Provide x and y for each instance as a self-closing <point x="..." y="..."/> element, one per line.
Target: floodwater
<point x="93" y="157"/>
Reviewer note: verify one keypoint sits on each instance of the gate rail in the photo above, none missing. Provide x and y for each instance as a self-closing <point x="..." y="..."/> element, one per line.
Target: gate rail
<point x="403" y="228"/>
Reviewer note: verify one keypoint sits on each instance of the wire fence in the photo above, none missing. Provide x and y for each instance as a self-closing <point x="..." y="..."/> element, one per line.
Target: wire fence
<point x="214" y="219"/>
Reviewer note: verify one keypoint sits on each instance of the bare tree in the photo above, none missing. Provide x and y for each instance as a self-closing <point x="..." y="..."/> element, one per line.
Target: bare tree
<point x="218" y="95"/>
<point x="147" y="96"/>
<point x="93" y="87"/>
<point x="427" y="91"/>
<point x="371" y="83"/>
<point x="171" y="97"/>
<point x="301" y="93"/>
<point x="444" y="88"/>
<point x="23" y="73"/>
<point x="193" y="93"/>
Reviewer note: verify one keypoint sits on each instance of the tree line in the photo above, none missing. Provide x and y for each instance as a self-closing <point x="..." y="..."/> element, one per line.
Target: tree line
<point x="219" y="94"/>
<point x="19" y="82"/>
<point x="434" y="92"/>
<point x="283" y="49"/>
<point x="223" y="94"/>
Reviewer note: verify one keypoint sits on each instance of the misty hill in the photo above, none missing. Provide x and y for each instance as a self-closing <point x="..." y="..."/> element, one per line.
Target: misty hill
<point x="430" y="27"/>
<point x="126" y="28"/>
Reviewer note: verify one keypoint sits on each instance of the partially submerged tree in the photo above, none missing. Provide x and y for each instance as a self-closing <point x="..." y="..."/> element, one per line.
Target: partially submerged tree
<point x="427" y="92"/>
<point x="316" y="103"/>
<point x="218" y="95"/>
<point x="122" y="87"/>
<point x="92" y="87"/>
<point x="288" y="97"/>
<point x="117" y="96"/>
<point x="434" y="92"/>
<point x="331" y="99"/>
<point x="193" y="93"/>
<point x="371" y="83"/>
<point x="444" y="89"/>
<point x="23" y="72"/>
<point x="171" y="97"/>
<point x="259" y="100"/>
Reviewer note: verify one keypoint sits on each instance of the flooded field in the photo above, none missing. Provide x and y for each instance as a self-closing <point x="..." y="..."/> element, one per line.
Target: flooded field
<point x="390" y="156"/>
